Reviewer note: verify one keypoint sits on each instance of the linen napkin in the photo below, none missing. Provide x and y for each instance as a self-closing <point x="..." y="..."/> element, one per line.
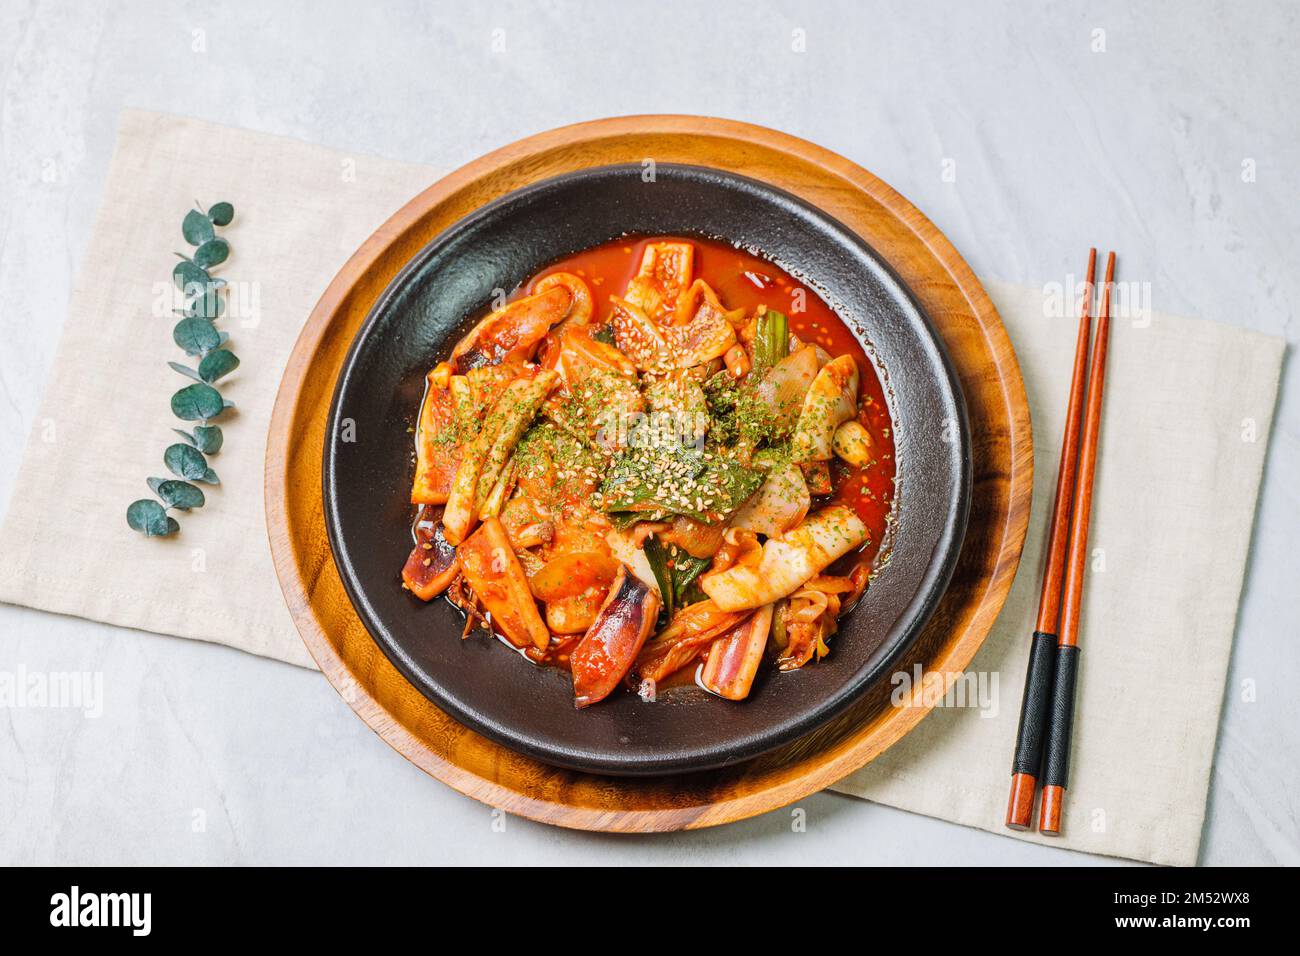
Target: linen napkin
<point x="300" y="213"/>
<point x="1188" y="410"/>
<point x="1176" y="484"/>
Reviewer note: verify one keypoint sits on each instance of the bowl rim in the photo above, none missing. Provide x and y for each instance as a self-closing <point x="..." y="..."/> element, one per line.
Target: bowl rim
<point x="897" y="640"/>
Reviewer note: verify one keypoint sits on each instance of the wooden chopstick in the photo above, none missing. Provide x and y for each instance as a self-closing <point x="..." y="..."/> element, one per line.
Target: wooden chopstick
<point x="1056" y="765"/>
<point x="1028" y="757"/>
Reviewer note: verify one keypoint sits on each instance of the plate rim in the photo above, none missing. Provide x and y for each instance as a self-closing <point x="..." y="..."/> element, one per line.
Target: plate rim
<point x="568" y="799"/>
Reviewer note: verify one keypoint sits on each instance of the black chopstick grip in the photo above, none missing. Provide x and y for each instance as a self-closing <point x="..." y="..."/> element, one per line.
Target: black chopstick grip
<point x="1033" y="706"/>
<point x="1056" y="769"/>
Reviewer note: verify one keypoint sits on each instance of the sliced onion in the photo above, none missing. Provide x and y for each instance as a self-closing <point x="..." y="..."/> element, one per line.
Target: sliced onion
<point x="779" y="504"/>
<point x="787" y="382"/>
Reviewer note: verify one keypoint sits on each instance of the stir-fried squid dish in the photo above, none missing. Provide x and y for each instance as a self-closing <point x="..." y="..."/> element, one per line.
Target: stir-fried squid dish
<point x="661" y="460"/>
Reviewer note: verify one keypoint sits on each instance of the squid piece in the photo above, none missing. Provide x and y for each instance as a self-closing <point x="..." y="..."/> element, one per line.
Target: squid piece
<point x="580" y="355"/>
<point x="734" y="657"/>
<point x="831" y="401"/>
<point x="610" y="647"/>
<point x="699" y="298"/>
<point x="788" y="561"/>
<point x="497" y="579"/>
<point x="779" y="504"/>
<point x="433" y="563"/>
<point x="655" y="348"/>
<point x="708" y="336"/>
<point x="486" y="456"/>
<point x="513" y="332"/>
<point x="600" y="391"/>
<point x="665" y="273"/>
<point x="437" y="452"/>
<point x="690" y="631"/>
<point x="582" y="308"/>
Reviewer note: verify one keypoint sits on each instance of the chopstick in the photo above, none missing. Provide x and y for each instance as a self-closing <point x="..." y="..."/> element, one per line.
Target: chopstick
<point x="1056" y="764"/>
<point x="1028" y="757"/>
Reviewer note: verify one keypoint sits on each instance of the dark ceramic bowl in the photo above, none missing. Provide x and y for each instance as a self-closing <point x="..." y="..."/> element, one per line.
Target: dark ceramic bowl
<point x="480" y="681"/>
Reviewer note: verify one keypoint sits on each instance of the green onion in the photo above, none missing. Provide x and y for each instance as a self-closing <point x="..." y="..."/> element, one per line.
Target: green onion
<point x="685" y="571"/>
<point x="661" y="565"/>
<point x="771" y="339"/>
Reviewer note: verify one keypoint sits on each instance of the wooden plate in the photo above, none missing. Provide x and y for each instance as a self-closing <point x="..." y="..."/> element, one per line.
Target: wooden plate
<point x="478" y="767"/>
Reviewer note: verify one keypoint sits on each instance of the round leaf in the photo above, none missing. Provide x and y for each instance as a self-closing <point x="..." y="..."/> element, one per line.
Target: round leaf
<point x="150" y="518"/>
<point x="185" y="461"/>
<point x="196" y="228"/>
<point x="196" y="336"/>
<point x="197" y="402"/>
<point x="190" y="278"/>
<point x="180" y="494"/>
<point x="207" y="439"/>
<point x="155" y="484"/>
<point x="221" y="213"/>
<point x="210" y="477"/>
<point x="205" y="302"/>
<point x="212" y="253"/>
<point x="216" y="364"/>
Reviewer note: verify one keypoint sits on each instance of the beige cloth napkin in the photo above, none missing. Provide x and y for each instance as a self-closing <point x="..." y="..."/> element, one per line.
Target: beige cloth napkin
<point x="1176" y="495"/>
<point x="300" y="212"/>
<point x="1188" y="410"/>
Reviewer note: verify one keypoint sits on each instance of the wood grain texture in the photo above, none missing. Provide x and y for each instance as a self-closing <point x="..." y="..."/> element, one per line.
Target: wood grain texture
<point x="354" y="664"/>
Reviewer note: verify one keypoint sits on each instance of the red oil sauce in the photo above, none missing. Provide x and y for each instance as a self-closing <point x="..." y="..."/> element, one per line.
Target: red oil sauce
<point x="742" y="279"/>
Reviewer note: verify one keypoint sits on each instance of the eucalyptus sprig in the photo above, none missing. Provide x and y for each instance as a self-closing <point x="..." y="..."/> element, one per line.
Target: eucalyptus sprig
<point x="197" y="335"/>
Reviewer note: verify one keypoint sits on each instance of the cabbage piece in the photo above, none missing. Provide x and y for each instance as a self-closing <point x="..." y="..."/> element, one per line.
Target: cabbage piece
<point x="788" y="561"/>
<point x="831" y="401"/>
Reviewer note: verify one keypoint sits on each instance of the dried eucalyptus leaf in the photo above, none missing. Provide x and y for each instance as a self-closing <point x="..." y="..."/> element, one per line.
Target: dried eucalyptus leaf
<point x="210" y="477"/>
<point x="155" y="484"/>
<point x="216" y="364"/>
<point x="186" y="371"/>
<point x="181" y="495"/>
<point x="212" y="253"/>
<point x="185" y="461"/>
<point x="197" y="403"/>
<point x="150" y="519"/>
<point x="208" y="439"/>
<point x="196" y="336"/>
<point x="196" y="228"/>
<point x="221" y="214"/>
<point x="190" y="439"/>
